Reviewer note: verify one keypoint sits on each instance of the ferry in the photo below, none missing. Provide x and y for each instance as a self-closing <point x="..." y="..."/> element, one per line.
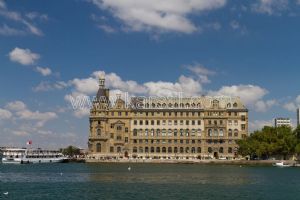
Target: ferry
<point x="281" y="164"/>
<point x="27" y="156"/>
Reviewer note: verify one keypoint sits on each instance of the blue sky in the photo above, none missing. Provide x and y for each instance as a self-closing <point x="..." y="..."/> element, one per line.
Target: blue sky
<point x="51" y="50"/>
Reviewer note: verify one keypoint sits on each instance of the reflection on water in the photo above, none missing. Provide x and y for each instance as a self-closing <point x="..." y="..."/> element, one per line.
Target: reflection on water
<point x="155" y="181"/>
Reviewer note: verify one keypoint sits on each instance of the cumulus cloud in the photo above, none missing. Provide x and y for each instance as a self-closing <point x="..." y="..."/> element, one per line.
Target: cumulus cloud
<point x="201" y="72"/>
<point x="166" y="16"/>
<point x="270" y="7"/>
<point x="259" y="124"/>
<point x="47" y="86"/>
<point x="23" y="56"/>
<point x="293" y="105"/>
<point x="21" y="112"/>
<point x="45" y="71"/>
<point x="263" y="106"/>
<point x="5" y="114"/>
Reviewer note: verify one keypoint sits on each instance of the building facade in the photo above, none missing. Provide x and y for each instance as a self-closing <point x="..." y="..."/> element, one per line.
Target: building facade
<point x="282" y="122"/>
<point x="166" y="128"/>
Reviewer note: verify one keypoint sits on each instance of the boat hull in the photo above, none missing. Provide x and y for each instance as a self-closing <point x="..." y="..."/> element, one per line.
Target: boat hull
<point x="32" y="160"/>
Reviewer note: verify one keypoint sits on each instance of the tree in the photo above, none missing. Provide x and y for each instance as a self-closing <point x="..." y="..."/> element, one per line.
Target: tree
<point x="71" y="151"/>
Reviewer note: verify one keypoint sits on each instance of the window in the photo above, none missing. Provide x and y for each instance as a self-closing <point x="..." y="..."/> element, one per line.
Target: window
<point x="243" y="127"/>
<point x="187" y="122"/>
<point x="152" y="132"/>
<point x="164" y="122"/>
<point x="229" y="149"/>
<point x="135" y="122"/>
<point x="163" y="133"/>
<point x="209" y="132"/>
<point x="193" y="122"/>
<point x="170" y="132"/>
<point x="175" y="122"/>
<point x="169" y="149"/>
<point x="119" y="113"/>
<point x="126" y="139"/>
<point x="141" y="149"/>
<point x="199" y="132"/>
<point x="193" y="150"/>
<point x="112" y="113"/>
<point x="230" y="133"/>
<point x="175" y="132"/>
<point x="111" y="136"/>
<point x="157" y="132"/>
<point x="181" y="132"/>
<point x="193" y="133"/>
<point x="134" y="150"/>
<point x="235" y="105"/>
<point x="236" y="133"/>
<point x="175" y="150"/>
<point x="98" y="147"/>
<point x="199" y="122"/>
<point x="221" y="150"/>
<point x="187" y="132"/>
<point x="221" y="133"/>
<point x="158" y="122"/>
<point x="134" y="132"/>
<point x="146" y="149"/>
<point x="170" y="122"/>
<point x="98" y="132"/>
<point x="111" y="149"/>
<point x="146" y="122"/>
<point x="152" y="122"/>
<point x="126" y="130"/>
<point x="119" y="128"/>
<point x="119" y="137"/>
<point x="209" y="150"/>
<point x="164" y="150"/>
<point x="141" y="122"/>
<point x="146" y="132"/>
<point x="181" y="122"/>
<point x="243" y="118"/>
<point x="157" y="149"/>
<point x="199" y="150"/>
<point x="216" y="132"/>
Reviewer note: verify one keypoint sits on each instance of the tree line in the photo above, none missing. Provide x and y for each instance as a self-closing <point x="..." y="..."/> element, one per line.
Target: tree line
<point x="280" y="142"/>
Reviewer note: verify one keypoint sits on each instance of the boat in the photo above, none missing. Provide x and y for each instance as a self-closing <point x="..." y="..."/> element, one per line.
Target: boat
<point x="281" y="164"/>
<point x="27" y="156"/>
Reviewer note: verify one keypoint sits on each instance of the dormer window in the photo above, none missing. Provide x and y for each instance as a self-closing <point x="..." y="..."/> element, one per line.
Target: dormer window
<point x="235" y="105"/>
<point x="215" y="104"/>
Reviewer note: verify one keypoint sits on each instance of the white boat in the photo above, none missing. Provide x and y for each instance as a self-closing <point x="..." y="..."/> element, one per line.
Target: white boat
<point x="26" y="156"/>
<point x="281" y="164"/>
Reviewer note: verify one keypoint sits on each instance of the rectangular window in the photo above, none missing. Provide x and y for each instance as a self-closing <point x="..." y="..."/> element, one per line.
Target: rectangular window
<point x="243" y="118"/>
<point x="181" y="122"/>
<point x="135" y="122"/>
<point x="111" y="149"/>
<point x="126" y="139"/>
<point x="152" y="122"/>
<point x="119" y="113"/>
<point x="126" y="130"/>
<point x="243" y="126"/>
<point x="170" y="122"/>
<point x="164" y="122"/>
<point x="187" y="122"/>
<point x="193" y="122"/>
<point x="141" y="122"/>
<point x="158" y="122"/>
<point x="146" y="122"/>
<point x="112" y="113"/>
<point x="111" y="136"/>
<point x="199" y="122"/>
<point x="175" y="122"/>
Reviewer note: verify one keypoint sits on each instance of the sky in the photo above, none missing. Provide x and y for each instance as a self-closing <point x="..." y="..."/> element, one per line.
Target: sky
<point x="51" y="51"/>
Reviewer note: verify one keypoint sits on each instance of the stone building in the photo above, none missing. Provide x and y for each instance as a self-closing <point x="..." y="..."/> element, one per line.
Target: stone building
<point x="166" y="128"/>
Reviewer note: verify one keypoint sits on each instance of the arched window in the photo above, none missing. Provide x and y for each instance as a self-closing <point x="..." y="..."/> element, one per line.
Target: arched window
<point x="170" y="132"/>
<point x="170" y="105"/>
<point x="187" y="132"/>
<point x="163" y="132"/>
<point x="209" y="132"/>
<point x="181" y="105"/>
<point x="230" y="133"/>
<point x="157" y="132"/>
<point x="146" y="149"/>
<point x="152" y="149"/>
<point x="169" y="149"/>
<point x="235" y="105"/>
<point x="198" y="105"/>
<point x="187" y="105"/>
<point x="98" y="131"/>
<point x="152" y="132"/>
<point x="236" y="133"/>
<point x="193" y="150"/>
<point x="216" y="132"/>
<point x="199" y="150"/>
<point x="98" y="147"/>
<point x="181" y="132"/>
<point x="175" y="150"/>
<point x="221" y="133"/>
<point x="119" y="149"/>
<point x="146" y="132"/>
<point x="187" y="150"/>
<point x="193" y="132"/>
<point x="221" y="150"/>
<point x="175" y="132"/>
<point x="164" y="105"/>
<point x="157" y="149"/>
<point x="153" y="105"/>
<point x="147" y="105"/>
<point x="176" y="105"/>
<point x="193" y="105"/>
<point x="229" y="105"/>
<point x="229" y="149"/>
<point x="158" y="105"/>
<point x="215" y="103"/>
<point x="181" y="150"/>
<point x="140" y="149"/>
<point x="164" y="150"/>
<point x="134" y="150"/>
<point x="209" y="150"/>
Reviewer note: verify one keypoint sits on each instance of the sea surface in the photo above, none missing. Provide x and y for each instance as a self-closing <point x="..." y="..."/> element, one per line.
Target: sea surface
<point x="148" y="181"/>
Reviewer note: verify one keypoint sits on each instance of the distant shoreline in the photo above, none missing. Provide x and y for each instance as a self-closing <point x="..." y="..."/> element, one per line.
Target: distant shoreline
<point x="221" y="162"/>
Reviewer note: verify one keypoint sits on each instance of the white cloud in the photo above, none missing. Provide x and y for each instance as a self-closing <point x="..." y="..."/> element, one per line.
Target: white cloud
<point x="106" y="28"/>
<point x="9" y="31"/>
<point x="167" y="15"/>
<point x="5" y="114"/>
<point x="259" y="124"/>
<point x="270" y="7"/>
<point x="292" y="105"/>
<point x="235" y="24"/>
<point x="21" y="112"/>
<point x="45" y="71"/>
<point x="17" y="17"/>
<point x="23" y="56"/>
<point x="249" y="94"/>
<point x="201" y="72"/>
<point x="263" y="106"/>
